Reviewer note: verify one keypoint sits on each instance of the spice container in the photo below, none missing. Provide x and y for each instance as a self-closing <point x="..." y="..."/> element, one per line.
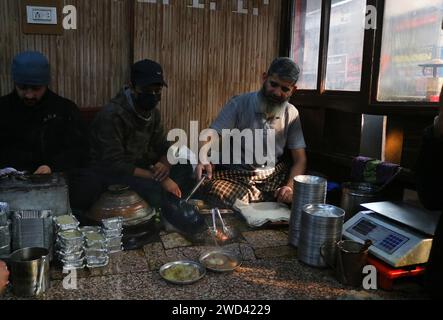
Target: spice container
<point x="66" y="222"/>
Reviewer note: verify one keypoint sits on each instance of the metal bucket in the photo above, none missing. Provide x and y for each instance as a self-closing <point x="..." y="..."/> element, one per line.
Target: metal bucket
<point x="29" y="269"/>
<point x="348" y="260"/>
<point x="355" y="194"/>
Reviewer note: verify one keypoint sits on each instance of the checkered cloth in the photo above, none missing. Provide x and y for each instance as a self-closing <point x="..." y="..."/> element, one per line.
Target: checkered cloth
<point x="228" y="186"/>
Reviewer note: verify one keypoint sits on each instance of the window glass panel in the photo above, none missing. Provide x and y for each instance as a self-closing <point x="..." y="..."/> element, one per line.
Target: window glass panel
<point x="305" y="42"/>
<point x="412" y="46"/>
<point x="345" y="51"/>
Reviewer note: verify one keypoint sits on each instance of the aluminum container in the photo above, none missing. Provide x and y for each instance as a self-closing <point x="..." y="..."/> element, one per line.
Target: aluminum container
<point x="97" y="263"/>
<point x="89" y="229"/>
<point x="68" y="250"/>
<point x="73" y="265"/>
<point x="96" y="253"/>
<point x="114" y="242"/>
<point x="71" y="238"/>
<point x="74" y="256"/>
<point x="112" y="233"/>
<point x="95" y="240"/>
<point x="115" y="249"/>
<point x="66" y="222"/>
<point x="113" y="223"/>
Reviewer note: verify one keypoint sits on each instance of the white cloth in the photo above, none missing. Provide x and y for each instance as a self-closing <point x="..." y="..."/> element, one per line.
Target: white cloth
<point x="258" y="214"/>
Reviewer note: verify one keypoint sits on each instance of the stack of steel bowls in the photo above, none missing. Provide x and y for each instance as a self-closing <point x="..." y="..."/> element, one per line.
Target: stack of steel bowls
<point x="307" y="190"/>
<point x="321" y="226"/>
<point x="5" y="231"/>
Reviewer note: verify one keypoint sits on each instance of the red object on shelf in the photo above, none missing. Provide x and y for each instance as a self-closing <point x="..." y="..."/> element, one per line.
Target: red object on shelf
<point x="386" y="274"/>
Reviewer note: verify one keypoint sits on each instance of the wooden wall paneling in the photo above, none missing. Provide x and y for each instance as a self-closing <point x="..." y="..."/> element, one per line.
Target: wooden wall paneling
<point x="89" y="64"/>
<point x="208" y="56"/>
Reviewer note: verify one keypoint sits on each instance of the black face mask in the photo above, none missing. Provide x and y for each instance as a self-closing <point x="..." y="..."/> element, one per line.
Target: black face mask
<point x="147" y="101"/>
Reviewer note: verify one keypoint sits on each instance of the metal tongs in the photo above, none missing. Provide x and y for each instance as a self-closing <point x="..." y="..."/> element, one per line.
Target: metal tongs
<point x="227" y="233"/>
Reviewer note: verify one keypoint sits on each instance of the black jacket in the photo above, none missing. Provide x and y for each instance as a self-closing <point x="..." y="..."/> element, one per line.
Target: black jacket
<point x="121" y="141"/>
<point x="430" y="188"/>
<point x="50" y="133"/>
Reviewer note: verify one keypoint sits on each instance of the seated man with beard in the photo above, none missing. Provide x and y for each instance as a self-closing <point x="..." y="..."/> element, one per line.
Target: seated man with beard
<point x="40" y="132"/>
<point x="267" y="110"/>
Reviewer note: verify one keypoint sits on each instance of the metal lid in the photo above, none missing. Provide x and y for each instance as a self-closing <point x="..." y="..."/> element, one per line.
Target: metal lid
<point x="324" y="211"/>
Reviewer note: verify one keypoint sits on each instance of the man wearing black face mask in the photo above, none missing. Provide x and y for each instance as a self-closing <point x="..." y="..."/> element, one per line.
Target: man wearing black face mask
<point x="128" y="142"/>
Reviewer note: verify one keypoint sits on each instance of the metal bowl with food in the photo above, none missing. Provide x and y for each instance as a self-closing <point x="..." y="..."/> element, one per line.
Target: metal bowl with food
<point x="219" y="260"/>
<point x="182" y="272"/>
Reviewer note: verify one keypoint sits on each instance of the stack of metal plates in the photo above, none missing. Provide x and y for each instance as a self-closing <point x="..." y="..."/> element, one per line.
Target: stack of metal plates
<point x="307" y="190"/>
<point x="321" y="226"/>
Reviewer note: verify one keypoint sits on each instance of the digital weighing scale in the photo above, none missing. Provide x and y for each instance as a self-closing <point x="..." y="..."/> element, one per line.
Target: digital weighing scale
<point x="401" y="233"/>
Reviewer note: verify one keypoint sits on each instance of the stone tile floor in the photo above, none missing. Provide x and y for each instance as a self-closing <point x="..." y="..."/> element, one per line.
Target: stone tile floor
<point x="270" y="271"/>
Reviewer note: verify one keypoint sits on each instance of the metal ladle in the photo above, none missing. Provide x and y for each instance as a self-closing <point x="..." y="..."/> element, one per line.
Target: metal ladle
<point x="199" y="184"/>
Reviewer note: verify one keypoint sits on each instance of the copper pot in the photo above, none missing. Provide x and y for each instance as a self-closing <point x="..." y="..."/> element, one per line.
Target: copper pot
<point x="120" y="201"/>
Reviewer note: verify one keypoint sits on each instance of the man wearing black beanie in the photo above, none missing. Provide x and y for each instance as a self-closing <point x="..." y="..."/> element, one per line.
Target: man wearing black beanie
<point x="40" y="132"/>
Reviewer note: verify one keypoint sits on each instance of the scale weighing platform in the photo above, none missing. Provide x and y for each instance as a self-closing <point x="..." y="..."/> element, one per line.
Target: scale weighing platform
<point x="401" y="233"/>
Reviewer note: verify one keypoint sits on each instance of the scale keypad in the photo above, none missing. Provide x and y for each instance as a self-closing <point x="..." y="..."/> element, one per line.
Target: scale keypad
<point x="382" y="238"/>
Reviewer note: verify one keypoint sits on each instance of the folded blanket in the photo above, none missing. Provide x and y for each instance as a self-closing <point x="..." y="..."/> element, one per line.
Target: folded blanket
<point x="258" y="214"/>
<point x="372" y="171"/>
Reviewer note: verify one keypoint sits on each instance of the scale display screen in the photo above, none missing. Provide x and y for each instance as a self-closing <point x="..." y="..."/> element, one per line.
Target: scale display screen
<point x="384" y="239"/>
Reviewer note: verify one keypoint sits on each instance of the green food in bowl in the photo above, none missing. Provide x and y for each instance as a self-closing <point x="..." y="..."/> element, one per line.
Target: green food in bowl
<point x="181" y="273"/>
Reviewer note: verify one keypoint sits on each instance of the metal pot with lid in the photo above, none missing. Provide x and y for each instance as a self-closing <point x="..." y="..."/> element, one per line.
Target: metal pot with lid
<point x="121" y="201"/>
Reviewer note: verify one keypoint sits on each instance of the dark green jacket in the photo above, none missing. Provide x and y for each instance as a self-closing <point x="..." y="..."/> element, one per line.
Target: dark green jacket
<point x="122" y="141"/>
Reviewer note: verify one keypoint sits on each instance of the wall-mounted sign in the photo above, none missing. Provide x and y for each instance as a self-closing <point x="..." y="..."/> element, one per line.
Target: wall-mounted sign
<point x="197" y="4"/>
